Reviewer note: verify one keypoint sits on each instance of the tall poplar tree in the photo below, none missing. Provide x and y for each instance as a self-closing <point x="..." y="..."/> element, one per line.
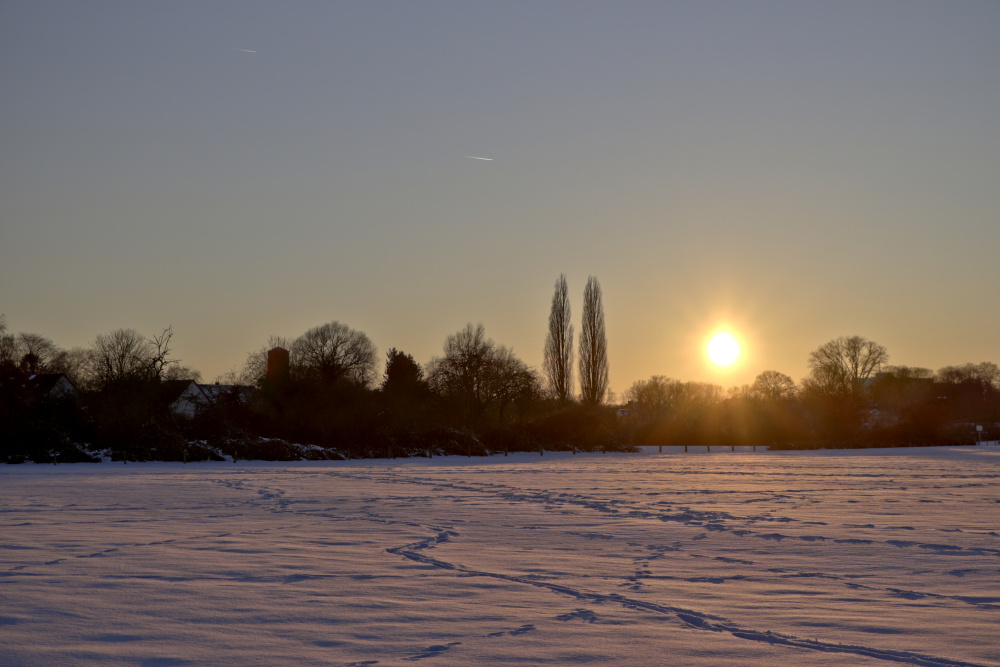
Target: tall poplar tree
<point x="558" y="358"/>
<point x="593" y="346"/>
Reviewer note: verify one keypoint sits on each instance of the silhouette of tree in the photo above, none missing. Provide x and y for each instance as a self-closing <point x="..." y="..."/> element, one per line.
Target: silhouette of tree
<point x="35" y="351"/>
<point x="985" y="376"/>
<point x="8" y="348"/>
<point x="508" y="379"/>
<point x="651" y="398"/>
<point x="333" y="352"/>
<point x="840" y="368"/>
<point x="76" y="364"/>
<point x="461" y="372"/>
<point x="909" y="372"/>
<point x="835" y="390"/>
<point x="480" y="377"/>
<point x="593" y="346"/>
<point x="403" y="375"/>
<point x="125" y="355"/>
<point x="772" y="386"/>
<point x="179" y="372"/>
<point x="558" y="356"/>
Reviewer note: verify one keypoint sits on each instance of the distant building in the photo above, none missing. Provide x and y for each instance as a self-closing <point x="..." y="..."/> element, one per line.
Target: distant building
<point x="35" y="388"/>
<point x="626" y="411"/>
<point x="278" y="367"/>
<point x="183" y="397"/>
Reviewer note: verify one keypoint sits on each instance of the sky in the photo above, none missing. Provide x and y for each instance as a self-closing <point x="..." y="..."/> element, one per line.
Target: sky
<point x="789" y="171"/>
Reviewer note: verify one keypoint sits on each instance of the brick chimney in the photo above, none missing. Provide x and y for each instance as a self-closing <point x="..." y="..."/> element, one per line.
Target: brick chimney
<point x="278" y="373"/>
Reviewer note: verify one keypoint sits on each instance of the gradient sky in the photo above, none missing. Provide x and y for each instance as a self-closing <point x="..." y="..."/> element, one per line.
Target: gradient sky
<point x="794" y="171"/>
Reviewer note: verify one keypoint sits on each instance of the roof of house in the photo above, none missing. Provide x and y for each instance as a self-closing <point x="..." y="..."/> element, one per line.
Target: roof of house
<point x="171" y="390"/>
<point x="36" y="385"/>
<point x="217" y="391"/>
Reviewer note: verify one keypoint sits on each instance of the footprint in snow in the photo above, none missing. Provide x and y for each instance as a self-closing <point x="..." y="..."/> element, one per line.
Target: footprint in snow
<point x="527" y="627"/>
<point x="579" y="614"/>
<point x="432" y="651"/>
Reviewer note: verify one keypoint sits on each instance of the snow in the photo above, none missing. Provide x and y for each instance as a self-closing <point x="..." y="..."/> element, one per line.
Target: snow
<point x="859" y="557"/>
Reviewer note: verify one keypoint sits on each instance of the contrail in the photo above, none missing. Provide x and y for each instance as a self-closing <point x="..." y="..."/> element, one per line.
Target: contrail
<point x="473" y="157"/>
<point x="245" y="50"/>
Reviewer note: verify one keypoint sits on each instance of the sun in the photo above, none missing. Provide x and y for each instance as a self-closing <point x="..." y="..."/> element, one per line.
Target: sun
<point x="723" y="349"/>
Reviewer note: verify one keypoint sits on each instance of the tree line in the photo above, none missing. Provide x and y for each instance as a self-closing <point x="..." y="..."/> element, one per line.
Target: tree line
<point x="852" y="397"/>
<point x="325" y="394"/>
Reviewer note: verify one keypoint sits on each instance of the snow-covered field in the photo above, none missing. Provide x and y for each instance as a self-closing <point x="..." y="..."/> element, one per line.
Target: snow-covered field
<point x="750" y="558"/>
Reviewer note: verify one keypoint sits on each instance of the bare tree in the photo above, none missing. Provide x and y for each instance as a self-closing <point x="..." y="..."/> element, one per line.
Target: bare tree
<point x="334" y="352"/>
<point x="127" y="355"/>
<point x="558" y="357"/>
<point x="8" y="347"/>
<point x="593" y="346"/>
<point x="179" y="372"/>
<point x="772" y="386"/>
<point x="909" y="372"/>
<point x="461" y="372"/>
<point x="985" y="375"/>
<point x="34" y="351"/>
<point x="840" y="368"/>
<point x="653" y="397"/>
<point x="508" y="379"/>
<point x="479" y="375"/>
<point x="76" y="364"/>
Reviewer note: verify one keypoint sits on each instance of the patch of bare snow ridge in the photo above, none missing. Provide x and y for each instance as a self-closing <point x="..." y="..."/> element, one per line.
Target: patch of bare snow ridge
<point x="863" y="557"/>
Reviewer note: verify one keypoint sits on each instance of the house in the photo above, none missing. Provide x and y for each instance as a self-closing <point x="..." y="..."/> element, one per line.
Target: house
<point x="52" y="386"/>
<point x="35" y="388"/>
<point x="183" y="398"/>
<point x="232" y="392"/>
<point x="626" y="411"/>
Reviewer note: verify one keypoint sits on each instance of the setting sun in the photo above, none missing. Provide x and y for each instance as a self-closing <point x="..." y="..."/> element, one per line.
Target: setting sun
<point x="723" y="349"/>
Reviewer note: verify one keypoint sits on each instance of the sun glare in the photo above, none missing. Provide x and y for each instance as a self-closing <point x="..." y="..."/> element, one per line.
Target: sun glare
<point x="723" y="349"/>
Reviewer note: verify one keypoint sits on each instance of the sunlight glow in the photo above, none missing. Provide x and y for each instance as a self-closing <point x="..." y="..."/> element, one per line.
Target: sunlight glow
<point x="723" y="349"/>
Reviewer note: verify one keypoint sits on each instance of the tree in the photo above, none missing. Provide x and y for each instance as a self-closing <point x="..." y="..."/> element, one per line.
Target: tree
<point x="461" y="372"/>
<point x="558" y="356"/>
<point x="6" y="342"/>
<point x="125" y="355"/>
<point x="179" y="372"/>
<point x="403" y="375"/>
<point x="837" y="385"/>
<point x="651" y="398"/>
<point x="24" y="352"/>
<point x="772" y="386"/>
<point x="76" y="364"/>
<point x="333" y="352"/>
<point x="481" y="377"/>
<point x="840" y="368"/>
<point x="593" y="346"/>
<point x="35" y="352"/>
<point x="985" y="376"/>
<point x="508" y="379"/>
<point x="909" y="372"/>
